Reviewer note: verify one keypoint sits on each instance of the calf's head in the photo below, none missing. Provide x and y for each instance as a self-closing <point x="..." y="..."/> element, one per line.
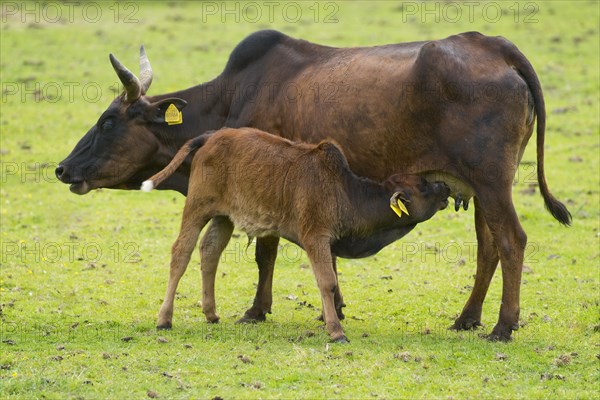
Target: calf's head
<point x="119" y="150"/>
<point x="415" y="196"/>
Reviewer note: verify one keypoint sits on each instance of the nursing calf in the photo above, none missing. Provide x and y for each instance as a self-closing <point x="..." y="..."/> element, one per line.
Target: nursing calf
<point x="270" y="186"/>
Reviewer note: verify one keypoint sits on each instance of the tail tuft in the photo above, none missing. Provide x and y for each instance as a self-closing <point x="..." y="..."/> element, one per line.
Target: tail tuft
<point x="147" y="186"/>
<point x="558" y="210"/>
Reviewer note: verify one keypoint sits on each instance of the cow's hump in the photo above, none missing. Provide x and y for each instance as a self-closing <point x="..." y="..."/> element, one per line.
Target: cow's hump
<point x="253" y="48"/>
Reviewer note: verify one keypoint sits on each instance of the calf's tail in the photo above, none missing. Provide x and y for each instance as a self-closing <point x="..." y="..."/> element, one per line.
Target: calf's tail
<point x="190" y="146"/>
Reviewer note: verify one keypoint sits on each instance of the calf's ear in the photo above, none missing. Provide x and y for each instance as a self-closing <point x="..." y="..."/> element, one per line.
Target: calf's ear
<point x="404" y="196"/>
<point x="394" y="182"/>
<point x="398" y="203"/>
<point x="156" y="111"/>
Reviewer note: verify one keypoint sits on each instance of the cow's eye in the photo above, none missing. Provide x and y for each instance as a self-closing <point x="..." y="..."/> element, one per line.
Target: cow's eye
<point x="107" y="124"/>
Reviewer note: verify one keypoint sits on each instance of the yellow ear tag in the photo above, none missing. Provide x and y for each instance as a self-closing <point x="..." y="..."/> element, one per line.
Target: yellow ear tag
<point x="399" y="209"/>
<point x="173" y="115"/>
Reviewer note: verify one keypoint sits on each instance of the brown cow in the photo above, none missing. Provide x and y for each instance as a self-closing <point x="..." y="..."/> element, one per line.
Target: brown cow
<point x="270" y="186"/>
<point x="461" y="109"/>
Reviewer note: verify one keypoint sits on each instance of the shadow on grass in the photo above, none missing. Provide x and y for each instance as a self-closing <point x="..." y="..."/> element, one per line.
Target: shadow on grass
<point x="310" y="333"/>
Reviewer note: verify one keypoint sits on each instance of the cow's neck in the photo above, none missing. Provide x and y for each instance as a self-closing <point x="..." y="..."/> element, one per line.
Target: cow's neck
<point x="205" y="111"/>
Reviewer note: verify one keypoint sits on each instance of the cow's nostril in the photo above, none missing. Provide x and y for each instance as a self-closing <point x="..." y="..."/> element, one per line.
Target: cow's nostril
<point x="59" y="171"/>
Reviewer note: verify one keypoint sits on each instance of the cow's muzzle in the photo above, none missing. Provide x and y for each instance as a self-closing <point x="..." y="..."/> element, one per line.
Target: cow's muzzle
<point x="78" y="185"/>
<point x="59" y="171"/>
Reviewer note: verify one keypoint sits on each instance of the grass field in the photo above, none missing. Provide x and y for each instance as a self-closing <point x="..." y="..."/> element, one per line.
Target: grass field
<point x="82" y="277"/>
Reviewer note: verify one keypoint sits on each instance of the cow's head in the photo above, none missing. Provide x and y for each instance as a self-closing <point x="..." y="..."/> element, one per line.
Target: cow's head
<point x="118" y="151"/>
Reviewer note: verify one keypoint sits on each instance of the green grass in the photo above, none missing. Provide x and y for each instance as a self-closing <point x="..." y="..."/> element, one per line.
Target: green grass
<point x="81" y="274"/>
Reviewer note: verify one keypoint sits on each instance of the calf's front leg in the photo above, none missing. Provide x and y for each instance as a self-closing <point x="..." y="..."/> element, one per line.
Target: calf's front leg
<point x="180" y="257"/>
<point x="319" y="253"/>
<point x="338" y="299"/>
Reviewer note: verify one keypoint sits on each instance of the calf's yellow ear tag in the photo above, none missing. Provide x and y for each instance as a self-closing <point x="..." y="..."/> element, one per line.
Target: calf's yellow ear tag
<point x="173" y="115"/>
<point x="399" y="208"/>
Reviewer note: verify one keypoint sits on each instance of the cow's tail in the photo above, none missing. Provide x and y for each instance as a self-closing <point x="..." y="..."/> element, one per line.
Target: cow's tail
<point x="520" y="62"/>
<point x="190" y="146"/>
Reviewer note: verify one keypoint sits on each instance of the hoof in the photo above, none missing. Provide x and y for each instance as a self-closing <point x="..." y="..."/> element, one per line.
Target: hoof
<point x="253" y="315"/>
<point x="342" y="339"/>
<point x="166" y="326"/>
<point x="465" y="325"/>
<point x="499" y="335"/>
<point x="251" y="319"/>
<point x="494" y="337"/>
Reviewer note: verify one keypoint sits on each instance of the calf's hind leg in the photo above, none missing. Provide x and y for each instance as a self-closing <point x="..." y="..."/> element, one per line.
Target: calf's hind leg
<point x="213" y="243"/>
<point x="181" y="252"/>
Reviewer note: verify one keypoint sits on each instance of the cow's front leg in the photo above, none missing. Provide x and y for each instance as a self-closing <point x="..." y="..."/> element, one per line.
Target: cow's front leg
<point x="487" y="261"/>
<point x="213" y="243"/>
<point x="266" y="254"/>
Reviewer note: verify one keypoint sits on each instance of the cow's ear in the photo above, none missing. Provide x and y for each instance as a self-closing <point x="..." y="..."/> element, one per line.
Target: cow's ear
<point x="157" y="111"/>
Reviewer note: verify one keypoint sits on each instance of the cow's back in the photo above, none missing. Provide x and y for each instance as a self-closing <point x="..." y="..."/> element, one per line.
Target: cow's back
<point x="410" y="102"/>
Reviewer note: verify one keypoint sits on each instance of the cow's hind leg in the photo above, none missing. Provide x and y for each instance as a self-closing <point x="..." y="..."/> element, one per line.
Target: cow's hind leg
<point x="181" y="252"/>
<point x="266" y="254"/>
<point x="213" y="243"/>
<point x="487" y="261"/>
<point x="510" y="239"/>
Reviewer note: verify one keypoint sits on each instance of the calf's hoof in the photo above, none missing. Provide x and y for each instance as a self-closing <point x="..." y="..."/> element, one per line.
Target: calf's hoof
<point x="466" y="324"/>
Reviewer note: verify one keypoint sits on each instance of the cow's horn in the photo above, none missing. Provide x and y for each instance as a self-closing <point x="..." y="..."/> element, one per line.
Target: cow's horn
<point x="132" y="85"/>
<point x="145" y="71"/>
